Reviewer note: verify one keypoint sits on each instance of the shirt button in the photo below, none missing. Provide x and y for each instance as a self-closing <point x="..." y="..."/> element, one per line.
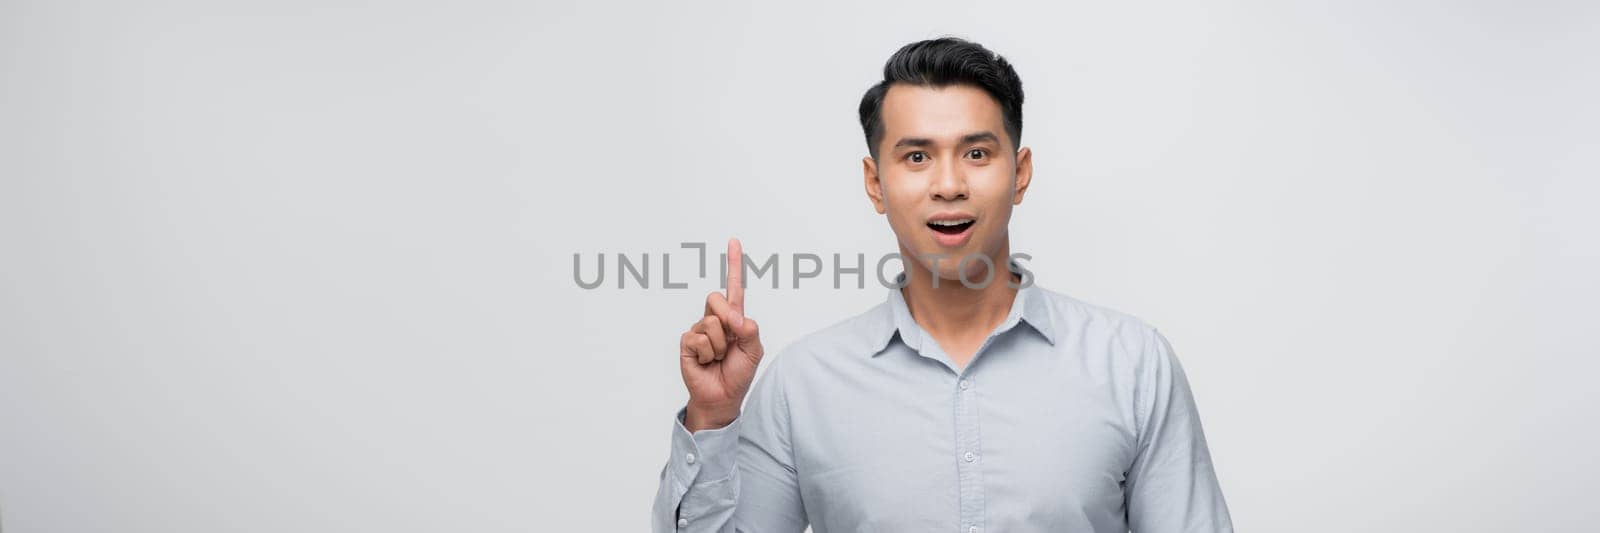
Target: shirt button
<point x="965" y="384"/>
<point x="973" y="529"/>
<point x="683" y="522"/>
<point x="689" y="458"/>
<point x="969" y="456"/>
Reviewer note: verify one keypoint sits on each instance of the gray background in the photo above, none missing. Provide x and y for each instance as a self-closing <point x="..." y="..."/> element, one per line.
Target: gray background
<point x="307" y="266"/>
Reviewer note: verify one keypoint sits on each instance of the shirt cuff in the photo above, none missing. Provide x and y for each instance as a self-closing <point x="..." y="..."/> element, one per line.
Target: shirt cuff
<point x="710" y="453"/>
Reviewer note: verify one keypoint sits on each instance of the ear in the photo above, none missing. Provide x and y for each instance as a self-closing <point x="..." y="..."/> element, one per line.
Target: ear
<point x="1024" y="174"/>
<point x="869" y="175"/>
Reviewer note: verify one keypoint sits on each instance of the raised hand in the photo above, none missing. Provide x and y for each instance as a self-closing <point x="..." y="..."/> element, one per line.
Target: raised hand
<point x="720" y="352"/>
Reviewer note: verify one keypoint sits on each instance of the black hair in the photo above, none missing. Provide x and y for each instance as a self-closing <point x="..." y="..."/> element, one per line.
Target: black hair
<point x="940" y="63"/>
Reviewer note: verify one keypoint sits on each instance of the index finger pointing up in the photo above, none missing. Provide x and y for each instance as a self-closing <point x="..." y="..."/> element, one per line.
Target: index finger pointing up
<point x="736" y="278"/>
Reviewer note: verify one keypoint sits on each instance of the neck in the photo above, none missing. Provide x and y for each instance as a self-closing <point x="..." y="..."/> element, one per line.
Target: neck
<point x="952" y="310"/>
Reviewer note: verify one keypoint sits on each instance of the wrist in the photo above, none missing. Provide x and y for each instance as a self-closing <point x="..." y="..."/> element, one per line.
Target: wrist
<point x="697" y="418"/>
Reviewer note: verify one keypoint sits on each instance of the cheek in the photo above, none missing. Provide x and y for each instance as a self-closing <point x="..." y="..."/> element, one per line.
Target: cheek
<point x="901" y="189"/>
<point x="996" y="190"/>
<point x="999" y="220"/>
<point x="995" y="180"/>
<point x="902" y="208"/>
<point x="901" y="198"/>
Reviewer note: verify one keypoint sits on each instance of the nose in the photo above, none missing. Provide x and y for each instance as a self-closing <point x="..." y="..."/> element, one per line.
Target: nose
<point x="951" y="182"/>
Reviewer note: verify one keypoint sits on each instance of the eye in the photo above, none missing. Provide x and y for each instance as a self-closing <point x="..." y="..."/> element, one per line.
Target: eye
<point x="977" y="153"/>
<point x="917" y="157"/>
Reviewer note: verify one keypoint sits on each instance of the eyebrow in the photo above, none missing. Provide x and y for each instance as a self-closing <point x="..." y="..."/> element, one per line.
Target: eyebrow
<point x="974" y="138"/>
<point x="970" y="138"/>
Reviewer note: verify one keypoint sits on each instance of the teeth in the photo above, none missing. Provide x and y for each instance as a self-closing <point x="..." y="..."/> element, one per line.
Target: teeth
<point x="950" y="222"/>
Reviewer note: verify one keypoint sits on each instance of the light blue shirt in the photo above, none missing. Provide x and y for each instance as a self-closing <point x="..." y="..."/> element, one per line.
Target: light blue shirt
<point x="1070" y="417"/>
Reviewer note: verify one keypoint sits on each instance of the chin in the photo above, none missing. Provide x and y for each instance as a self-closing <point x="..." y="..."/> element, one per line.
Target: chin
<point x="949" y="265"/>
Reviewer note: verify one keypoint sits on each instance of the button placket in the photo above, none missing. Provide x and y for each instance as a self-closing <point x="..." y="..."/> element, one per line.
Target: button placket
<point x="969" y="449"/>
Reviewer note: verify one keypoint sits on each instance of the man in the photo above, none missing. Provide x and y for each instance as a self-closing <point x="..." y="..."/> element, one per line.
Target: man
<point x="955" y="405"/>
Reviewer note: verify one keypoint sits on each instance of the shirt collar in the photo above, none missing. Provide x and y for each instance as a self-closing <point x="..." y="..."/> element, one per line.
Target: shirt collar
<point x="1031" y="306"/>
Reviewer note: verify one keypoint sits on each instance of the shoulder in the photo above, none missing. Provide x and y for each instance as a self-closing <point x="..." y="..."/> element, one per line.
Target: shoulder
<point x="1095" y="323"/>
<point x="1127" y="352"/>
<point x="852" y="339"/>
<point x="859" y="335"/>
<point x="1113" y="344"/>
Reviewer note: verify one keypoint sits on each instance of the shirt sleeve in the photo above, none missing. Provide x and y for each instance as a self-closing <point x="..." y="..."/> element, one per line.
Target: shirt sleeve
<point x="737" y="478"/>
<point x="1171" y="485"/>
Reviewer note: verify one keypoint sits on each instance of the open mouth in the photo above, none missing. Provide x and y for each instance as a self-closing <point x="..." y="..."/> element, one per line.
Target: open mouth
<point x="951" y="227"/>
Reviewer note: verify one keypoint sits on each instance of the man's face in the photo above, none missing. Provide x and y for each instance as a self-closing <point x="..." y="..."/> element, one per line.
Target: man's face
<point x="946" y="176"/>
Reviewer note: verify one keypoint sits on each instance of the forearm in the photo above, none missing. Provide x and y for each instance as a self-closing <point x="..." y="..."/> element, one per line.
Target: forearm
<point x="699" y="485"/>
